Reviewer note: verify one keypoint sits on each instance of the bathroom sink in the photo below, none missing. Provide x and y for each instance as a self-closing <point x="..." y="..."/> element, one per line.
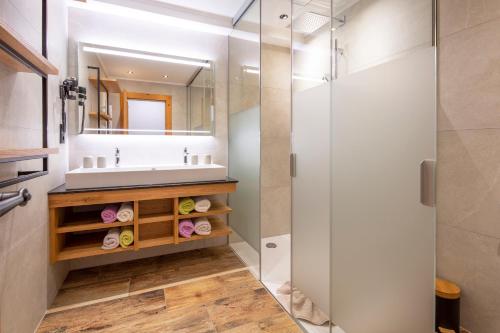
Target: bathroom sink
<point x="143" y="175"/>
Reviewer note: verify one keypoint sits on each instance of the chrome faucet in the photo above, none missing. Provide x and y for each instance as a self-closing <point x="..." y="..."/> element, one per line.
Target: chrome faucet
<point x="186" y="154"/>
<point x="117" y="157"/>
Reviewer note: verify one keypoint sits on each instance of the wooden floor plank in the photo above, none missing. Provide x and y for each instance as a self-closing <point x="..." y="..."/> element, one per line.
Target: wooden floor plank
<point x="232" y="302"/>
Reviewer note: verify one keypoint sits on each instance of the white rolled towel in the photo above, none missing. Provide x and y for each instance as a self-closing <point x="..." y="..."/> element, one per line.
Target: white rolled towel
<point x="202" y="226"/>
<point x="112" y="239"/>
<point x="125" y="213"/>
<point x="201" y="205"/>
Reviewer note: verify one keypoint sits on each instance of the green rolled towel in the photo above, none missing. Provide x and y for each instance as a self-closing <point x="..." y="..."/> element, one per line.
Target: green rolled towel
<point x="126" y="236"/>
<point x="186" y="206"/>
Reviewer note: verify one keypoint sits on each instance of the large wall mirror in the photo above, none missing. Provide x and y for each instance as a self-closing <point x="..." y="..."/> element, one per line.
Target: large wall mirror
<point x="134" y="90"/>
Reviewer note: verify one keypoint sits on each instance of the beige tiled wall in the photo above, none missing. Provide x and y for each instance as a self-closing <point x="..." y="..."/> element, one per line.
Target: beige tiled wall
<point x="468" y="235"/>
<point x="275" y="140"/>
<point x="28" y="283"/>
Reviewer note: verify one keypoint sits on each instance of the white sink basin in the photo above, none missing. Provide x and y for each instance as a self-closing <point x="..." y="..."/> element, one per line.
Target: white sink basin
<point x="143" y="175"/>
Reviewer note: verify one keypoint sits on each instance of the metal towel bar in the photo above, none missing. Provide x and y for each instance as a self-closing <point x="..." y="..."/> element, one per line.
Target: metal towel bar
<point x="10" y="200"/>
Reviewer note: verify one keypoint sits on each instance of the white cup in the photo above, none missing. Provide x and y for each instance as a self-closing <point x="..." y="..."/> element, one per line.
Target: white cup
<point x="194" y="159"/>
<point x="88" y="162"/>
<point x="207" y="159"/>
<point x="101" y="161"/>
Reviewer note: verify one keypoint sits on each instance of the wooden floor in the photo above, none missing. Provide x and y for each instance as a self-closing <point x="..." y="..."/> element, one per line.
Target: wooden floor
<point x="197" y="298"/>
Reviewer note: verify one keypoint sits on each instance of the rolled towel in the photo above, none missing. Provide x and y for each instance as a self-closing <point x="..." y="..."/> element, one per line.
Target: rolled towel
<point x="202" y="226"/>
<point x="126" y="236"/>
<point x="186" y="228"/>
<point x="186" y="206"/>
<point x="108" y="214"/>
<point x="126" y="212"/>
<point x="201" y="205"/>
<point x="111" y="240"/>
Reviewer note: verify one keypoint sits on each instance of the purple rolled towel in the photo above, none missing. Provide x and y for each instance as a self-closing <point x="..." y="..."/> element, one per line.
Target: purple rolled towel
<point x="108" y="214"/>
<point x="186" y="228"/>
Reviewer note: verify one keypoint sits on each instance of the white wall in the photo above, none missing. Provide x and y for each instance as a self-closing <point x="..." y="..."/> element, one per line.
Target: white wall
<point x="28" y="283"/>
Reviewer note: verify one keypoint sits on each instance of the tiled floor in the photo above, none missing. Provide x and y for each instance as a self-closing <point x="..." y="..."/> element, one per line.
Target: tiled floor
<point x="210" y="292"/>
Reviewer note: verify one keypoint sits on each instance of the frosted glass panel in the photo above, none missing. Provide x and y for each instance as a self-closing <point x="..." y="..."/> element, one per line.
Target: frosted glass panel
<point x="244" y="161"/>
<point x="311" y="195"/>
<point x="383" y="126"/>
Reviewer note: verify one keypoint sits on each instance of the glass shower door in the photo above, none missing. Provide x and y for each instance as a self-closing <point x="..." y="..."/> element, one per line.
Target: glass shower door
<point x="383" y="142"/>
<point x="244" y="137"/>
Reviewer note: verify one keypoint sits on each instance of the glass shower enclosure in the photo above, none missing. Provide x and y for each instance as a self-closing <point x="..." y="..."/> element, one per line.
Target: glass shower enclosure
<point x="332" y="135"/>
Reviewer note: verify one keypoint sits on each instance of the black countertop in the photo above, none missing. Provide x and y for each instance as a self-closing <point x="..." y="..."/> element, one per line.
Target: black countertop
<point x="63" y="190"/>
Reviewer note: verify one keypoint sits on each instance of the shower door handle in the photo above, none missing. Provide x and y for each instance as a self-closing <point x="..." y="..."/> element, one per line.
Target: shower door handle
<point x="427" y="183"/>
<point x="293" y="165"/>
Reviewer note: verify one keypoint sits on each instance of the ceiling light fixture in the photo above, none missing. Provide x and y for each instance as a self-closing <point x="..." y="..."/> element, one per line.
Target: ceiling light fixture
<point x="150" y="17"/>
<point x="165" y="76"/>
<point x="283" y="16"/>
<point x="145" y="56"/>
<point x="130" y="72"/>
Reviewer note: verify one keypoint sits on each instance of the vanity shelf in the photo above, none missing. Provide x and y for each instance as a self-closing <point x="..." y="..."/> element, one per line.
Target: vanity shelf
<point x="76" y="230"/>
<point x="86" y="245"/>
<point x="217" y="208"/>
<point x="219" y="229"/>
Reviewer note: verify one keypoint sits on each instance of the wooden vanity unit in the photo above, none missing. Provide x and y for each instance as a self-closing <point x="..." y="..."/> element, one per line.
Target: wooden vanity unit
<point x="76" y="228"/>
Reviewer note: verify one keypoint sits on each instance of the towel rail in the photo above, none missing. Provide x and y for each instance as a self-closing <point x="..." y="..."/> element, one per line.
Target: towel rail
<point x="10" y="200"/>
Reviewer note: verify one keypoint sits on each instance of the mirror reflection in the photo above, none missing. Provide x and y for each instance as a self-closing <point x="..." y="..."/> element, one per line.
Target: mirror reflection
<point x="138" y="92"/>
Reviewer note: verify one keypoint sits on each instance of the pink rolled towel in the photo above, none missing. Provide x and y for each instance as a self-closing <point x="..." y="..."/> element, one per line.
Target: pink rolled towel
<point x="108" y="214"/>
<point x="186" y="228"/>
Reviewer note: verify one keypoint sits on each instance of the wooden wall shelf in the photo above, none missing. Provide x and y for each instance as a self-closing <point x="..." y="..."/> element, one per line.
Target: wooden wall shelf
<point x="111" y="85"/>
<point x="156" y="219"/>
<point x="20" y="56"/>
<point x="12" y="155"/>
<point x="103" y="116"/>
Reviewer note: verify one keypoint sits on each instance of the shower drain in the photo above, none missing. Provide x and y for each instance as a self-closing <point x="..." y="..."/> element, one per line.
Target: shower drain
<point x="271" y="245"/>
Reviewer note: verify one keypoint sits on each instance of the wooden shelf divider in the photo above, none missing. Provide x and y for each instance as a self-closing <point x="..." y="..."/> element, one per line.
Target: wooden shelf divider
<point x="156" y="218"/>
<point x="90" y="225"/>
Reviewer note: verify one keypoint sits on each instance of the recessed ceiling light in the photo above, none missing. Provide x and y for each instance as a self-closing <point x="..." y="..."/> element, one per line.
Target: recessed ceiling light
<point x="165" y="76"/>
<point x="130" y="72"/>
<point x="283" y="16"/>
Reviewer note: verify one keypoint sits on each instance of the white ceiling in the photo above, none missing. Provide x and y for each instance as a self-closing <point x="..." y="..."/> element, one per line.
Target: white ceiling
<point x="145" y="70"/>
<point x="227" y="8"/>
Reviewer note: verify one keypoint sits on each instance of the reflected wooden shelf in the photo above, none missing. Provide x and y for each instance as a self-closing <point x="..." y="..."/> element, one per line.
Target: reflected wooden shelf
<point x="103" y="116"/>
<point x="85" y="245"/>
<point x="219" y="229"/>
<point x="217" y="208"/>
<point x="17" y="49"/>
<point x="111" y="85"/>
<point x="12" y="155"/>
